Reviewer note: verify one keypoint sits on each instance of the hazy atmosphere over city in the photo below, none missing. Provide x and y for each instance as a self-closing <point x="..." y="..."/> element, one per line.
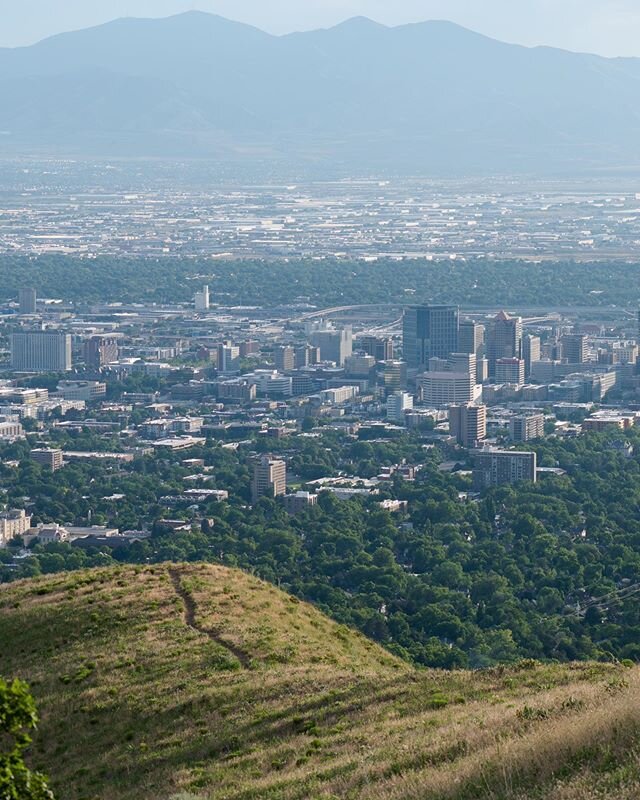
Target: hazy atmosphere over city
<point x="320" y="400"/>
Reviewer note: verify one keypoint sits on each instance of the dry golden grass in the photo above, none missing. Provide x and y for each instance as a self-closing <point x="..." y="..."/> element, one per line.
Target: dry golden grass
<point x="203" y="681"/>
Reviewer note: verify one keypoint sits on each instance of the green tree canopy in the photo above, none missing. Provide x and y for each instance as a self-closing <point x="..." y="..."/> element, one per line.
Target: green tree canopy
<point x="18" y="716"/>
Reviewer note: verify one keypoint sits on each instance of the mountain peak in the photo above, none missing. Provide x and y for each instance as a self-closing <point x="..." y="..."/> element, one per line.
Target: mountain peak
<point x="360" y="23"/>
<point x="429" y="97"/>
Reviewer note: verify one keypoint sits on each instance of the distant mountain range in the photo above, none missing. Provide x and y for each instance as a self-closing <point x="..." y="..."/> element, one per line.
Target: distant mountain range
<point x="425" y="98"/>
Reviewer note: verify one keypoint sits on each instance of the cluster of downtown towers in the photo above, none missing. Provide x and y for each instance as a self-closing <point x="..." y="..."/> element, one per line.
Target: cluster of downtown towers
<point x="437" y="332"/>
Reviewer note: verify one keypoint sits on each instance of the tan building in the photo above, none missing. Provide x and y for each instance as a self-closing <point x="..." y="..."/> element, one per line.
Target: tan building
<point x="601" y="424"/>
<point x="240" y="391"/>
<point x="285" y="359"/>
<point x="526" y="427"/>
<point x="468" y="423"/>
<point x="48" y="458"/>
<point x="13" y="523"/>
<point x="100" y="350"/>
<point x="269" y="479"/>
<point x="11" y="429"/>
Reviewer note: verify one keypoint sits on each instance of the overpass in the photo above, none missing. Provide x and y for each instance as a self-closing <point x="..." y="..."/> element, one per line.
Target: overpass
<point x="330" y="312"/>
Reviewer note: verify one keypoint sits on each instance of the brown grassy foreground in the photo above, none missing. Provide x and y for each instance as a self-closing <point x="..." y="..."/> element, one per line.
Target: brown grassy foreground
<point x="198" y="681"/>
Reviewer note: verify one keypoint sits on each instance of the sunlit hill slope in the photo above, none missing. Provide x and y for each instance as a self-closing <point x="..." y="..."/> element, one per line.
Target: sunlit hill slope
<point x="199" y="681"/>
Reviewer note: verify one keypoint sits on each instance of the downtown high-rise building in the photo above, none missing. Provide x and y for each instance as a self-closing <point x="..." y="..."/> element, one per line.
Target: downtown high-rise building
<point x="468" y="423"/>
<point x="504" y="339"/>
<point x="360" y="365"/>
<point x="284" y="358"/>
<point x="306" y="356"/>
<point x="41" y="351"/>
<point x="510" y="370"/>
<point x="27" y="301"/>
<point x="471" y="338"/>
<point x="429" y="332"/>
<point x="531" y="352"/>
<point x="395" y="375"/>
<point x="450" y="381"/>
<point x="335" y="345"/>
<point x="100" y="351"/>
<point x="201" y="300"/>
<point x="398" y="404"/>
<point x="574" y="348"/>
<point x="380" y="348"/>
<point x="228" y="357"/>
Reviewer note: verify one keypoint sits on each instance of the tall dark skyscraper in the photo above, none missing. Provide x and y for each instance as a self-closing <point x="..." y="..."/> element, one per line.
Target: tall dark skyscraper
<point x="574" y="348"/>
<point x="428" y="332"/>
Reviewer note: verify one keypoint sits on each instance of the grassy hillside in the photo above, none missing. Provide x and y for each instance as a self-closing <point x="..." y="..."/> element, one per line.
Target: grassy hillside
<point x="199" y="681"/>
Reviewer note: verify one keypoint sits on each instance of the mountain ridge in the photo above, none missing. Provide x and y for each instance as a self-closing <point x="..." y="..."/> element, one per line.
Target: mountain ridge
<point x="424" y="97"/>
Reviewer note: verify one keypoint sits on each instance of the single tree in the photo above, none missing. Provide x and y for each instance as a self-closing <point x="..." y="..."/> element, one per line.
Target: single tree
<point x="18" y="716"/>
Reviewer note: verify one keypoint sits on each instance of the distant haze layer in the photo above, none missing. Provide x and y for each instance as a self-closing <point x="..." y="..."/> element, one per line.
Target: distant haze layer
<point x="430" y="98"/>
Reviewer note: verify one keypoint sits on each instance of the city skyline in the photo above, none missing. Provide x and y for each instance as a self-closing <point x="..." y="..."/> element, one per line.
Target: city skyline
<point x="319" y="399"/>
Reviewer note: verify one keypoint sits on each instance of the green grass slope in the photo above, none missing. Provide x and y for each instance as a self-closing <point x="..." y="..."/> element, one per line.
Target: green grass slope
<point x="199" y="681"/>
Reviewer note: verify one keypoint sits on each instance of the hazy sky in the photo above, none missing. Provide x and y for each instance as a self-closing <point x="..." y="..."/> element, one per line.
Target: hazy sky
<point x="610" y="27"/>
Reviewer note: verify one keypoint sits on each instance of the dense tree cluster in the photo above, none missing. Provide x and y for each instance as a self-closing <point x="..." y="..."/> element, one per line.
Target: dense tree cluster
<point x="332" y="282"/>
<point x="548" y="571"/>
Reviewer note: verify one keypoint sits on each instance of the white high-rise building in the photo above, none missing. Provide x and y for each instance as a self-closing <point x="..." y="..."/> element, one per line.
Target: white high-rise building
<point x="398" y="404"/>
<point x="335" y="345"/>
<point x="451" y="381"/>
<point x="202" y="300"/>
<point x="41" y="351"/>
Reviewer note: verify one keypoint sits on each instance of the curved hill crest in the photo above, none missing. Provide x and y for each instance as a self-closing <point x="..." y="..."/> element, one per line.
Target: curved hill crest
<point x="158" y="681"/>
